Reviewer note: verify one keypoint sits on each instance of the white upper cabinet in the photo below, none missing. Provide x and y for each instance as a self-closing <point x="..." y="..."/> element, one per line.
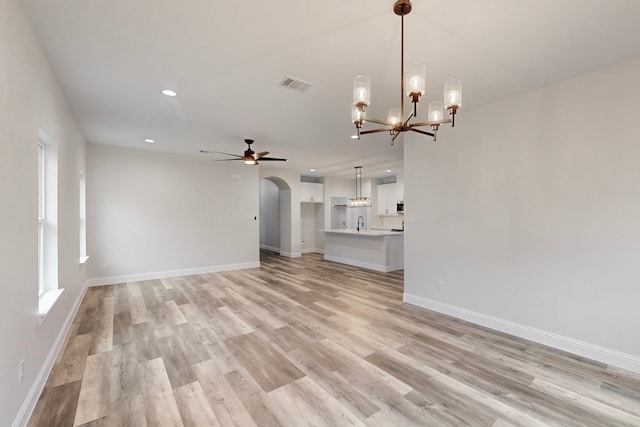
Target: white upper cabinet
<point x="388" y="197"/>
<point x="311" y="192"/>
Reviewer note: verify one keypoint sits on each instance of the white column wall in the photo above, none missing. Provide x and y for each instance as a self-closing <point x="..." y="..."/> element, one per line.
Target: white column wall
<point x="529" y="213"/>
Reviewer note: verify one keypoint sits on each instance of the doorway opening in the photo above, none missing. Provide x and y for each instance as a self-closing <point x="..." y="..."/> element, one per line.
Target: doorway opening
<point x="275" y="216"/>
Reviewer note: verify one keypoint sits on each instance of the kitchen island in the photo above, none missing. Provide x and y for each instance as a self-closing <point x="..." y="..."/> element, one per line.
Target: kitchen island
<point x="380" y="250"/>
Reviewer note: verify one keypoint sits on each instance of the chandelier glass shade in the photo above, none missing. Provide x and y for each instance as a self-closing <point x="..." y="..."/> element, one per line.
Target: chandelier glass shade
<point x="359" y="201"/>
<point x="414" y="82"/>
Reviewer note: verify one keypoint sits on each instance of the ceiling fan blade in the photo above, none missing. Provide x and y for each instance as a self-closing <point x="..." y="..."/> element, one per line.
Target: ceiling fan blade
<point x="249" y="157"/>
<point x="228" y="154"/>
<point x="218" y="152"/>
<point x="273" y="159"/>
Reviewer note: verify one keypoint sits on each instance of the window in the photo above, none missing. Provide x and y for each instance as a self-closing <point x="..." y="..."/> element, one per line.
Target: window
<point x="41" y="215"/>
<point x="48" y="291"/>
<point x="82" y="218"/>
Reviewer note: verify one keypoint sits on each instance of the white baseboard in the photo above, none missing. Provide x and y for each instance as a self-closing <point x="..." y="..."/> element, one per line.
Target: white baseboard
<point x="270" y="248"/>
<point x="291" y="254"/>
<point x="172" y="273"/>
<point x="362" y="264"/>
<point x="29" y="404"/>
<point x="312" y="251"/>
<point x="580" y="348"/>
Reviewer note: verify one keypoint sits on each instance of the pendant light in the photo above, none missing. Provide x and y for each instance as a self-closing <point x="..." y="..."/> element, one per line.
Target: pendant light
<point x="412" y="84"/>
<point x="359" y="201"/>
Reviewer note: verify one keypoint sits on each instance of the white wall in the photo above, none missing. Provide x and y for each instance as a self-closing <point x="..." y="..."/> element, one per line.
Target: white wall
<point x="307" y="227"/>
<point x="154" y="214"/>
<point x="269" y="215"/>
<point x="529" y="212"/>
<point x="336" y="187"/>
<point x="319" y="227"/>
<point x="32" y="100"/>
<point x="312" y="227"/>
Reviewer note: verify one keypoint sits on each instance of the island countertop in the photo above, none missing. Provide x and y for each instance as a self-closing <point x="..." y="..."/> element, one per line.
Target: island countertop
<point x="380" y="250"/>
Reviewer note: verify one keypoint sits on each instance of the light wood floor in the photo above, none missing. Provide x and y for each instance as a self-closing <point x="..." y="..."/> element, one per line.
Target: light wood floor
<point x="307" y="342"/>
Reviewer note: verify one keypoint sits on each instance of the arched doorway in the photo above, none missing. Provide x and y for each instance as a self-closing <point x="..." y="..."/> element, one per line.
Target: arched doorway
<point x="276" y="211"/>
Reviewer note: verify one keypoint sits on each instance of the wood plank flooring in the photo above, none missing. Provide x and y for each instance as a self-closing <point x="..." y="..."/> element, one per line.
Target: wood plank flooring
<point x="302" y="342"/>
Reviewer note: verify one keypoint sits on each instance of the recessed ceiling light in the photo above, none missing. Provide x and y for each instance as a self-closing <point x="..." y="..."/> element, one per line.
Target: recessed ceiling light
<point x="150" y="141"/>
<point x="354" y="136"/>
<point x="312" y="170"/>
<point x="169" y="92"/>
<point x="388" y="170"/>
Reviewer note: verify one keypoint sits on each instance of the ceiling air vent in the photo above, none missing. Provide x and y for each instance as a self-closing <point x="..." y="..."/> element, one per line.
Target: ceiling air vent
<point x="295" y="84"/>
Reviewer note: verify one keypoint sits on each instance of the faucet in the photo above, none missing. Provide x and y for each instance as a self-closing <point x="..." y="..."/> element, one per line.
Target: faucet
<point x="358" y="226"/>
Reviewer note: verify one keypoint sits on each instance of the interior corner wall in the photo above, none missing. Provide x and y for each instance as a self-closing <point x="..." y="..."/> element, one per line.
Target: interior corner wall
<point x="269" y="215"/>
<point x="528" y="211"/>
<point x="32" y="100"/>
<point x="154" y="214"/>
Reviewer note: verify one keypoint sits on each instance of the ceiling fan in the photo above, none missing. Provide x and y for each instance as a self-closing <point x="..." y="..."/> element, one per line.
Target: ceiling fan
<point x="249" y="157"/>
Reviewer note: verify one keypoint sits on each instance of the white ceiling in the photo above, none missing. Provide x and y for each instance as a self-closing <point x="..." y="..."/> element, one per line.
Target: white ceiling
<point x="226" y="60"/>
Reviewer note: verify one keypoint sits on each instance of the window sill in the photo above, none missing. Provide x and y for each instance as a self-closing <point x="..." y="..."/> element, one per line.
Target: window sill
<point x="46" y="302"/>
<point x="84" y="259"/>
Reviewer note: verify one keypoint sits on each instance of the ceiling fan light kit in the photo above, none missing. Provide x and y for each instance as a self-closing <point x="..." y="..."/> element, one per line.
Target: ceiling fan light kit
<point x="414" y="81"/>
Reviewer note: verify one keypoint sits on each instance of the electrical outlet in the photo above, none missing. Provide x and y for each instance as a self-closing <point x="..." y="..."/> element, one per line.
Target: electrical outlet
<point x="440" y="285"/>
<point x="21" y="372"/>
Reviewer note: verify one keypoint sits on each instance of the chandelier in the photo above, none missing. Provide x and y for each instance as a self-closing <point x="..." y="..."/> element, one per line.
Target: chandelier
<point x="359" y="201"/>
<point x="415" y="84"/>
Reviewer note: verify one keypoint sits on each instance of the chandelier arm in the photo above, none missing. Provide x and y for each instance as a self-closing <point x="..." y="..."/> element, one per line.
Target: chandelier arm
<point x="439" y="122"/>
<point x="407" y="121"/>
<point x="364" y="132"/>
<point x="380" y="122"/>
<point x="424" y="132"/>
<point x="394" y="138"/>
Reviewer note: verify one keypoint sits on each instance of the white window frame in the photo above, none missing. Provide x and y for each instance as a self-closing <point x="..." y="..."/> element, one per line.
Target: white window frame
<point x="42" y="209"/>
<point x="48" y="291"/>
<point x="82" y="217"/>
